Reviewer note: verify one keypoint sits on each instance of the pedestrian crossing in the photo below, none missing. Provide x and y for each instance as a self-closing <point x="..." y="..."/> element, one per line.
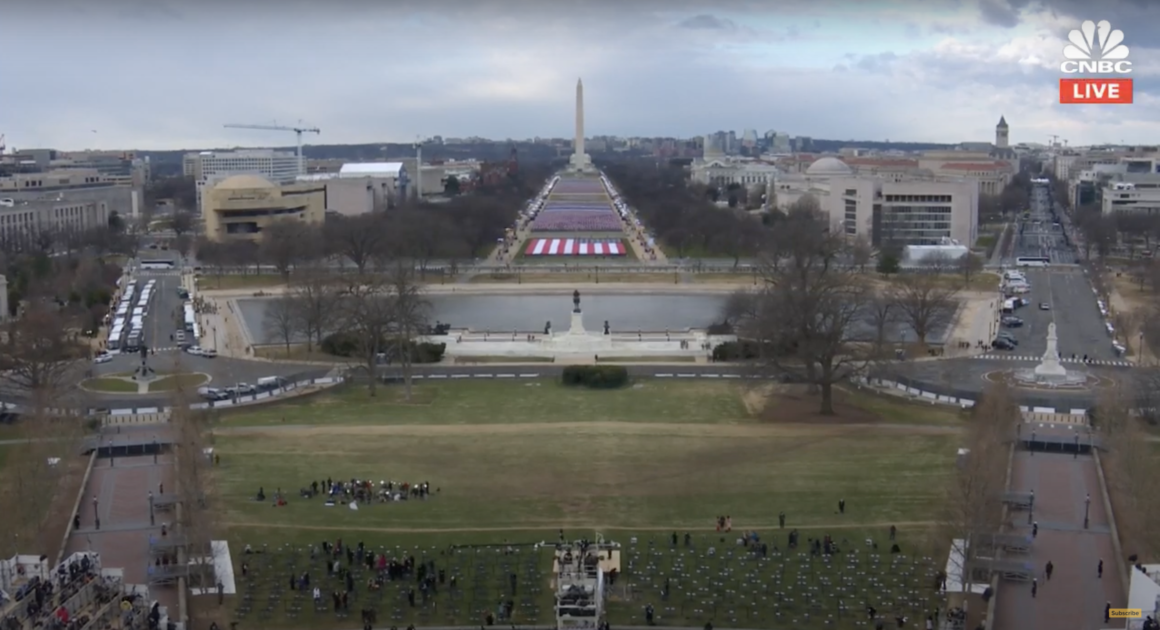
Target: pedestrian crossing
<point x="1037" y="359"/>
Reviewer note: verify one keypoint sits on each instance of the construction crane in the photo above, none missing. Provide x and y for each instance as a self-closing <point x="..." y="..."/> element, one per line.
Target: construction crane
<point x="298" y="131"/>
<point x="1054" y="139"/>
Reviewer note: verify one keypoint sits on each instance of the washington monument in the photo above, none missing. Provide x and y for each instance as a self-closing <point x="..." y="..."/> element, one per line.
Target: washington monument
<point x="580" y="161"/>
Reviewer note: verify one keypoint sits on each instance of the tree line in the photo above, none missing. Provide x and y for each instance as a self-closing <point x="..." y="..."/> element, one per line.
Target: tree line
<point x="462" y="228"/>
<point x="682" y="216"/>
<point x="380" y="313"/>
<point x="823" y="321"/>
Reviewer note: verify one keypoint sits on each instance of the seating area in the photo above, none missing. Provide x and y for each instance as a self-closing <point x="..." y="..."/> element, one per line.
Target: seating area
<point x="464" y="585"/>
<point x="77" y="593"/>
<point x="733" y="585"/>
<point x="688" y="584"/>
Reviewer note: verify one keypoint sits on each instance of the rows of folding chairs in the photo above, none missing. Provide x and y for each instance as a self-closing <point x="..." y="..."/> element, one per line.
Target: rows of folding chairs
<point x="482" y="575"/>
<point x="735" y="586"/>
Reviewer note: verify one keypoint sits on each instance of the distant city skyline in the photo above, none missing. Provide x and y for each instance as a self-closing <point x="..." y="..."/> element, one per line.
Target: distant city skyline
<point x="167" y="75"/>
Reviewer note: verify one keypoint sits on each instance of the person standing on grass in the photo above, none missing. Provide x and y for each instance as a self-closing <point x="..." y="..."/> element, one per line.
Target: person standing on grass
<point x="841" y="506"/>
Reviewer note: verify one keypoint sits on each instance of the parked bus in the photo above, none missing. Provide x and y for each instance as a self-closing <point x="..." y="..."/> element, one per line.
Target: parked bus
<point x="133" y="343"/>
<point x="1032" y="261"/>
<point x="116" y="337"/>
<point x="190" y="318"/>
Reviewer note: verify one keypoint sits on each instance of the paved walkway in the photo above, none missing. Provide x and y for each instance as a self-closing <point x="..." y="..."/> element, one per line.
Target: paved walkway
<point x="1074" y="597"/>
<point x="121" y="488"/>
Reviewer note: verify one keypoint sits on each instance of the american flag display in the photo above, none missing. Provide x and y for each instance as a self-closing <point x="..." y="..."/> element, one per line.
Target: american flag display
<point x="575" y="247"/>
<point x="578" y="205"/>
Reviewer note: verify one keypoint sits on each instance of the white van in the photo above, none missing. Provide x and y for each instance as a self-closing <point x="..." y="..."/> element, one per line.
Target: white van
<point x="1014" y="276"/>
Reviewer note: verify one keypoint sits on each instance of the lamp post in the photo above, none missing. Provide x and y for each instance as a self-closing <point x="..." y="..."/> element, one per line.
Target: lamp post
<point x="1087" y="504"/>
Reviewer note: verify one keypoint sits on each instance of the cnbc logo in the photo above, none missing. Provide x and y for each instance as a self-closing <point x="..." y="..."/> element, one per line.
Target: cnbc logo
<point x="1096" y="49"/>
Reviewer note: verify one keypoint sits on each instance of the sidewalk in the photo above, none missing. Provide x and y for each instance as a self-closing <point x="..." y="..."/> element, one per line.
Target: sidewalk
<point x="121" y="487"/>
<point x="1074" y="597"/>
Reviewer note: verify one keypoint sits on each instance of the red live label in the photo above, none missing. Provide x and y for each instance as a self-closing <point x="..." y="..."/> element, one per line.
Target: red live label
<point x="1095" y="91"/>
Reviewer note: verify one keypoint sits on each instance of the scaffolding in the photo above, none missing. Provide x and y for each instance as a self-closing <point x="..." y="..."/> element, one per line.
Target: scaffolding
<point x="580" y="569"/>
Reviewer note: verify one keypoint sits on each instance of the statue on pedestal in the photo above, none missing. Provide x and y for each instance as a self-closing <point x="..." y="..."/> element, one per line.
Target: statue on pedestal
<point x="548" y="328"/>
<point x="576" y="301"/>
<point x="606" y="327"/>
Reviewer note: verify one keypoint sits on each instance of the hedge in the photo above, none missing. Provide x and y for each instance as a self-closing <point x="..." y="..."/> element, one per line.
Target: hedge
<point x="596" y="376"/>
<point x="344" y="344"/>
<point x="736" y="351"/>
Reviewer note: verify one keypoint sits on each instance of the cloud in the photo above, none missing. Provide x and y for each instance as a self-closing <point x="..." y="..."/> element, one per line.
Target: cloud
<point x="364" y="71"/>
<point x="706" y="22"/>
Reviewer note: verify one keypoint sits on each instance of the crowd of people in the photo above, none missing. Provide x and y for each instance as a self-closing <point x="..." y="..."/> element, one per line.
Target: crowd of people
<point x="45" y="601"/>
<point x="337" y="491"/>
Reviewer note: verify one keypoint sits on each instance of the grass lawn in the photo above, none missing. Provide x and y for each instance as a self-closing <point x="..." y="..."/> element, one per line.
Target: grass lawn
<point x="513" y="461"/>
<point x="296" y="352"/>
<point x="725" y="278"/>
<point x="183" y="381"/>
<point x="112" y="385"/>
<point x="502" y="359"/>
<point x="211" y="282"/>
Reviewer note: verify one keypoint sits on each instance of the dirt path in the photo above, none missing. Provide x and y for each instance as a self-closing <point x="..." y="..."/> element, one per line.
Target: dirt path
<point x="552" y="528"/>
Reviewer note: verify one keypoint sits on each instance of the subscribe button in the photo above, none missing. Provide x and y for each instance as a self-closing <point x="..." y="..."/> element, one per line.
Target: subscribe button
<point x="1126" y="613"/>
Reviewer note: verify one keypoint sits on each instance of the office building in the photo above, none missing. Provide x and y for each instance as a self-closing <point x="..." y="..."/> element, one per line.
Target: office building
<point x="22" y="220"/>
<point x="894" y="208"/>
<point x="240" y="207"/>
<point x="209" y="168"/>
<point x="78" y="186"/>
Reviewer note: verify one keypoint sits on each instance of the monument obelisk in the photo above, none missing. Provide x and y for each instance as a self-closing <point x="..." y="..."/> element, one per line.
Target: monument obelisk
<point x="580" y="161"/>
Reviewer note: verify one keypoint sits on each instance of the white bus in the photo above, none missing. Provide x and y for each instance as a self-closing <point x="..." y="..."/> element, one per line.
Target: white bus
<point x="1032" y="261"/>
<point x="190" y="318"/>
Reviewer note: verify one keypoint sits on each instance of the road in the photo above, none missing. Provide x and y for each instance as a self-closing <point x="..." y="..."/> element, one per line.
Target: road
<point x="1068" y="294"/>
<point x="1041" y="232"/>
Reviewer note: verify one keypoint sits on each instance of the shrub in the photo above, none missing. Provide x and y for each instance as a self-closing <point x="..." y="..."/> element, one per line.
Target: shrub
<point x="596" y="376"/>
<point x="736" y="351"/>
<point x="341" y="344"/>
<point x="345" y="344"/>
<point x="428" y="352"/>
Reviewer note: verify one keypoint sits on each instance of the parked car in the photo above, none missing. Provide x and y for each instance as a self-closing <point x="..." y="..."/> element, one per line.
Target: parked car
<point x="1002" y="344"/>
<point x="103" y="357"/>
<point x="1012" y="322"/>
<point x="1008" y="337"/>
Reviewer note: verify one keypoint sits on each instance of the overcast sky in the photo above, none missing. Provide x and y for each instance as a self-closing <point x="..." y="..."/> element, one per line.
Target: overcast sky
<point x="166" y="74"/>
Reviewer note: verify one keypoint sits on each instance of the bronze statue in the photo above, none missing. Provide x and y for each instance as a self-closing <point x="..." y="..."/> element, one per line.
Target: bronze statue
<point x="576" y="301"/>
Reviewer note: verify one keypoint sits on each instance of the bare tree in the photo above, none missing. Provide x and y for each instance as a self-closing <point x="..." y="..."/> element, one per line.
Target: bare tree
<point x="925" y="302"/>
<point x="358" y="239"/>
<point x="193" y="459"/>
<point x="411" y="317"/>
<point x="368" y="313"/>
<point x="315" y="298"/>
<point x="182" y="222"/>
<point x="41" y="354"/>
<point x="287" y="243"/>
<point x="969" y="265"/>
<point x="974" y="510"/>
<point x="810" y="304"/>
<point x="282" y="320"/>
<point x="1132" y="470"/>
<point x="862" y="252"/>
<point x="881" y="314"/>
